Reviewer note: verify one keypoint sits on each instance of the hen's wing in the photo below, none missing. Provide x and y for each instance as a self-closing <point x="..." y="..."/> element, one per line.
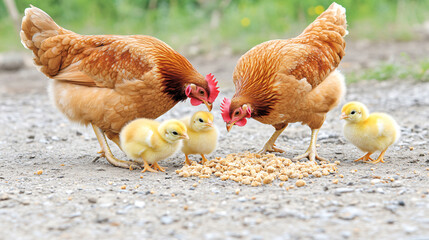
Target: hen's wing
<point x="100" y="61"/>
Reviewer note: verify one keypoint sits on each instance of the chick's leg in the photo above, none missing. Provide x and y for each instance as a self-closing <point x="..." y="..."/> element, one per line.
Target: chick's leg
<point x="311" y="152"/>
<point x="105" y="151"/>
<point x="380" y="158"/>
<point x="365" y="158"/>
<point x="204" y="159"/>
<point x="270" y="146"/>
<point x="187" y="161"/>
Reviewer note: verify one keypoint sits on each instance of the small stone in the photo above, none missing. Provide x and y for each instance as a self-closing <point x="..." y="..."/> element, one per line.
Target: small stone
<point x="200" y="212"/>
<point x="4" y="197"/>
<point x="166" y="220"/>
<point x="139" y="204"/>
<point x="92" y="200"/>
<point x="340" y="191"/>
<point x="349" y="213"/>
<point x="409" y="229"/>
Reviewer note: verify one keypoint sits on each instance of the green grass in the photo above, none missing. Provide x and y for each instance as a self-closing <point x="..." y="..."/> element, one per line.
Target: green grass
<point x="212" y="25"/>
<point x="389" y="71"/>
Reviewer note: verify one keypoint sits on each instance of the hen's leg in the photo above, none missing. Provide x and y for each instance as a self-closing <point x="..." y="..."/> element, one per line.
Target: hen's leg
<point x="204" y="159"/>
<point x="311" y="152"/>
<point x="116" y="140"/>
<point x="105" y="151"/>
<point x="270" y="146"/>
<point x="365" y="158"/>
<point x="380" y="158"/>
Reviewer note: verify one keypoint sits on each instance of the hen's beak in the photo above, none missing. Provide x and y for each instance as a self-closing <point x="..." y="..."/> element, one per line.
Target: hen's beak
<point x="344" y="116"/>
<point x="208" y="105"/>
<point x="229" y="126"/>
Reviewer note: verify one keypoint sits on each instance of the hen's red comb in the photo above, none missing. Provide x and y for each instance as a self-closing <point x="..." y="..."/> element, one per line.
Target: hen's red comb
<point x="214" y="89"/>
<point x="224" y="107"/>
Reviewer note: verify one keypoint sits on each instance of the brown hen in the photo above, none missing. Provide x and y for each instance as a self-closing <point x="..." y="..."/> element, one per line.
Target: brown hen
<point x="108" y="80"/>
<point x="284" y="81"/>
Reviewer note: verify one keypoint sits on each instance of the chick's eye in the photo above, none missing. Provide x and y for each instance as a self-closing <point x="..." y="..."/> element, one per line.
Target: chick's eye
<point x="353" y="112"/>
<point x="174" y="133"/>
<point x="201" y="120"/>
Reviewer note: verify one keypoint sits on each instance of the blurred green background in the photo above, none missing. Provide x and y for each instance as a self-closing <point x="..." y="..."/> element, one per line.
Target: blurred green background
<point x="233" y="24"/>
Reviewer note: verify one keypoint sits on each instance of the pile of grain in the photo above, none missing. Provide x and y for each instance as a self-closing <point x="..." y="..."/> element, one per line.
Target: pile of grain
<point x="256" y="169"/>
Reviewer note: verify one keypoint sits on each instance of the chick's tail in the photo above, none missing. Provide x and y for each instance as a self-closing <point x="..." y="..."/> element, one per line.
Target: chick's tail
<point x="327" y="94"/>
<point x="38" y="31"/>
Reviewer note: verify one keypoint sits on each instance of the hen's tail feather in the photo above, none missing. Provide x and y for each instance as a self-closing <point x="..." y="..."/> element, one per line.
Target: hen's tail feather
<point x="37" y="26"/>
<point x="333" y="19"/>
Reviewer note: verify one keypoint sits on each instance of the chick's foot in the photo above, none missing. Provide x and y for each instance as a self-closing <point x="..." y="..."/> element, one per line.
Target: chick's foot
<point x="365" y="158"/>
<point x="380" y="158"/>
<point x="157" y="167"/>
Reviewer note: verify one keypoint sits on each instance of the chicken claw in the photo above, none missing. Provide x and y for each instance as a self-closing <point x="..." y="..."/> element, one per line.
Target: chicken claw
<point x="106" y="153"/>
<point x="147" y="167"/>
<point x="365" y="158"/>
<point x="380" y="158"/>
<point x="157" y="167"/>
<point x="270" y="148"/>
<point x="311" y="152"/>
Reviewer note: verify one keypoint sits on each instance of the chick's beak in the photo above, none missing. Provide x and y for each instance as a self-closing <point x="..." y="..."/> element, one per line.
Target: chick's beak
<point x="209" y="124"/>
<point x="344" y="116"/>
<point x="208" y="105"/>
<point x="185" y="136"/>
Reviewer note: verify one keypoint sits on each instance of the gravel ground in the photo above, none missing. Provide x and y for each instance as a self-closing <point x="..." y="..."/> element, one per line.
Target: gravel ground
<point x="75" y="198"/>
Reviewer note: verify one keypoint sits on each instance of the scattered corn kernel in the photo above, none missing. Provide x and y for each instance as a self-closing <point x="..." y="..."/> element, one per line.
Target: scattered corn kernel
<point x="411" y="148"/>
<point x="186" y="207"/>
<point x="341" y="176"/>
<point x="255" y="169"/>
<point x="123" y="187"/>
<point x="39" y="172"/>
<point x="335" y="181"/>
<point x="173" y="195"/>
<point x="237" y="191"/>
<point x="300" y="183"/>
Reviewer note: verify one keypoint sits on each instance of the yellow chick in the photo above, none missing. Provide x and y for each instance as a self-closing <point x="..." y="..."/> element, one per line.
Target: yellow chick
<point x="148" y="141"/>
<point x="202" y="135"/>
<point x="369" y="132"/>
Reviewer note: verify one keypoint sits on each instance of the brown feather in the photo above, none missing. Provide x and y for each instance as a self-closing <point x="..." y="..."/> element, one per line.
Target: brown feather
<point x="107" y="80"/>
<point x="280" y="79"/>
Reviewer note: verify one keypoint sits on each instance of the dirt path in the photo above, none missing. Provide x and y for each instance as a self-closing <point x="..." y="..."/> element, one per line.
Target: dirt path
<point x="75" y="198"/>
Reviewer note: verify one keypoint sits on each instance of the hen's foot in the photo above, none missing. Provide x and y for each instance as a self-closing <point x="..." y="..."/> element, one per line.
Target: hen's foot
<point x="312" y="155"/>
<point x="117" y="162"/>
<point x="365" y="158"/>
<point x="270" y="148"/>
<point x="106" y="153"/>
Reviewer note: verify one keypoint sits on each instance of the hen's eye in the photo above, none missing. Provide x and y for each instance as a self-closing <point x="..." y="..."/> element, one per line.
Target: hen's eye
<point x="201" y="120"/>
<point x="236" y="113"/>
<point x="353" y="112"/>
<point x="201" y="92"/>
<point x="174" y="133"/>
